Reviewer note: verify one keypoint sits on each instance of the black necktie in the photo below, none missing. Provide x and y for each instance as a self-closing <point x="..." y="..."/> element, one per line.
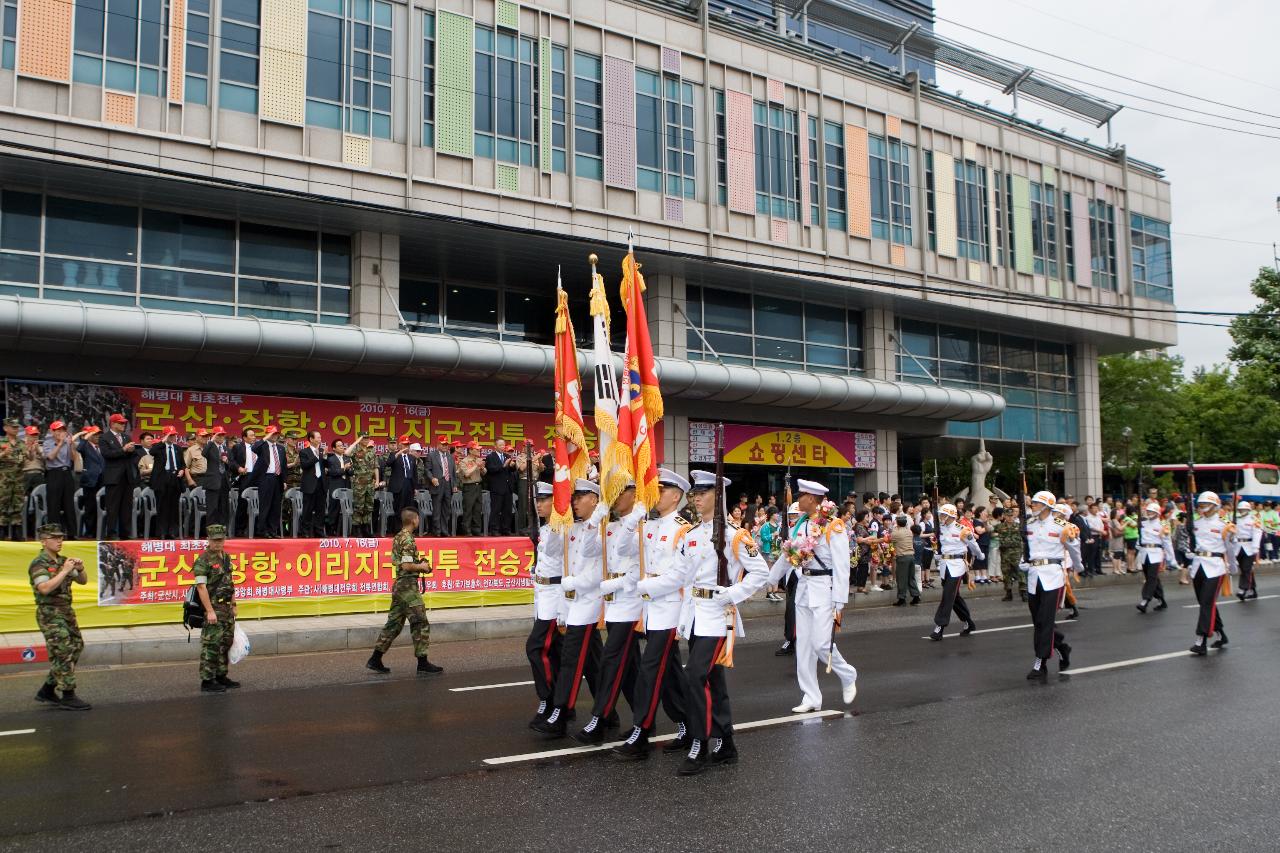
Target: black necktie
<point x="173" y="466"/>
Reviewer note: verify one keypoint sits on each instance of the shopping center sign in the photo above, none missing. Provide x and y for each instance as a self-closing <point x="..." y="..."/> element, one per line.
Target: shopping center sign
<point x="762" y="445"/>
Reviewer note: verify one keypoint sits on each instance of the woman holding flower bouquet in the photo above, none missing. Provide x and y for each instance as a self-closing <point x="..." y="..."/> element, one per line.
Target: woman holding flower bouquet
<point x="817" y="553"/>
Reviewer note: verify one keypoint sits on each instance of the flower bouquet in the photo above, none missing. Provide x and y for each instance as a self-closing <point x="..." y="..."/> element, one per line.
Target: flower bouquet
<point x="798" y="550"/>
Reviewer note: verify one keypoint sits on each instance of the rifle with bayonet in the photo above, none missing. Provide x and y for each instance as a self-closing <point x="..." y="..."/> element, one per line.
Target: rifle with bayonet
<point x="531" y="500"/>
<point x="1191" y="498"/>
<point x="1024" y="508"/>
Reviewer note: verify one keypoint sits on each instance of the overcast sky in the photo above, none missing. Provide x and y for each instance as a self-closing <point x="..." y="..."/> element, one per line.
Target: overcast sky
<point x="1224" y="184"/>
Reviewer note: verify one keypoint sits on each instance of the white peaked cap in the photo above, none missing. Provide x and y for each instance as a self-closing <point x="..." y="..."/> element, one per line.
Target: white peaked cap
<point x="585" y="486"/>
<point x="667" y="477"/>
<point x="415" y="446"/>
<point x="707" y="480"/>
<point x="809" y="487"/>
<point x="1243" y="505"/>
<point x="544" y="490"/>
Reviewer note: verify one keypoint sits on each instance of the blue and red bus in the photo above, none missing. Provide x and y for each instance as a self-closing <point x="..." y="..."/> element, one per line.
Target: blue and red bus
<point x="1253" y="481"/>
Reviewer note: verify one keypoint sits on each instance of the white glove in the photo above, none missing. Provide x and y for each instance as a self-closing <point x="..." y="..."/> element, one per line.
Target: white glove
<point x="569" y="584"/>
<point x="630" y="582"/>
<point x="722" y="599"/>
<point x="601" y="511"/>
<point x="839" y="607"/>
<point x="643" y="587"/>
<point x="638" y="513"/>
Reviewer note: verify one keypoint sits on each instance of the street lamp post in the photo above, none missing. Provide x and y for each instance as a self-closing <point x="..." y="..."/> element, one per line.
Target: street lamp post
<point x="1127" y="434"/>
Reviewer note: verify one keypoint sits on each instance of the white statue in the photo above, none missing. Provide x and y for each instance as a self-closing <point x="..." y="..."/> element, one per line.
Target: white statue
<point x="979" y="466"/>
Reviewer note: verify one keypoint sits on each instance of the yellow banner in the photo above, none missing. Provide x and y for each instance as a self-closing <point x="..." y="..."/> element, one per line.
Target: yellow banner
<point x="17" y="602"/>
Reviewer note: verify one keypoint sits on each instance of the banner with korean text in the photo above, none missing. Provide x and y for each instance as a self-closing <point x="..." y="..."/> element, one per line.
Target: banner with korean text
<point x="141" y="582"/>
<point x="762" y="445"/>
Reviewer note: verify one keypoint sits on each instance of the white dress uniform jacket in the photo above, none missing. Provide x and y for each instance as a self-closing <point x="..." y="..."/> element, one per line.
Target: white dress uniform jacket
<point x="831" y="551"/>
<point x="548" y="600"/>
<point x="662" y="588"/>
<point x="1248" y="534"/>
<point x="586" y="545"/>
<point x="954" y="540"/>
<point x="1153" y="537"/>
<point x="698" y="564"/>
<point x="1050" y="539"/>
<point x="621" y="601"/>
<point x="1213" y="534"/>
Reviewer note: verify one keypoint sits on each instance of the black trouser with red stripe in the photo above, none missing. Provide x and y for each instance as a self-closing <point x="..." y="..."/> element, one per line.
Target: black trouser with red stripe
<point x="951" y="600"/>
<point x="709" y="713"/>
<point x="789" y="618"/>
<point x="617" y="668"/>
<point x="1151" y="587"/>
<point x="1248" y="583"/>
<point x="660" y="677"/>
<point x="579" y="656"/>
<point x="1044" y="606"/>
<point x="1207" y="594"/>
<point x="543" y="651"/>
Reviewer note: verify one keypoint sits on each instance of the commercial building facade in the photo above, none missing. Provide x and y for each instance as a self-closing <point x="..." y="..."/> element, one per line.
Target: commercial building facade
<point x="370" y="199"/>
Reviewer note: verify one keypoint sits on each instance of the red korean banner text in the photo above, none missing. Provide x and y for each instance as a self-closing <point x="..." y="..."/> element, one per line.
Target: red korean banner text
<point x="155" y="571"/>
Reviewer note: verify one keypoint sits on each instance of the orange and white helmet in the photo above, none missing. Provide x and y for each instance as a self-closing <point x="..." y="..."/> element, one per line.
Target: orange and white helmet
<point x="1044" y="497"/>
<point x="1062" y="510"/>
<point x="1152" y="507"/>
<point x="949" y="510"/>
<point x="1209" y="498"/>
<point x="1244" y="506"/>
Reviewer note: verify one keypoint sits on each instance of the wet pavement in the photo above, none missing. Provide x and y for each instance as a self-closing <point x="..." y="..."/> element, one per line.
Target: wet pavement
<point x="947" y="747"/>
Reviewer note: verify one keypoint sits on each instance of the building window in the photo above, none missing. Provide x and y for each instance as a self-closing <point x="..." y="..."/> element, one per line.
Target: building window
<point x="972" y="227"/>
<point x="664" y="134"/>
<point x="506" y="111"/>
<point x="588" y="119"/>
<point x="9" y="33"/>
<point x="777" y="161"/>
<point x="1044" y="228"/>
<point x="120" y="44"/>
<point x="238" y="56"/>
<point x="1034" y="377"/>
<point x="559" y="112"/>
<point x="1151" y="258"/>
<point x="122" y="255"/>
<point x="722" y="192"/>
<point x="815" y="171"/>
<point x="767" y="330"/>
<point x="349" y="66"/>
<point x="890" y="189"/>
<point x="1068" y="238"/>
<point x="1102" y="237"/>
<point x="497" y="312"/>
<point x="833" y="140"/>
<point x="196" y="86"/>
<point x="428" y="80"/>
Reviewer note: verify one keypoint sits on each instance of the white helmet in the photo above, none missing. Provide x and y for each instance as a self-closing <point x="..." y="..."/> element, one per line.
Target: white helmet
<point x="1209" y="498"/>
<point x="1244" y="506"/>
<point x="948" y="509"/>
<point x="1044" y="497"/>
<point x="1062" y="510"/>
<point x="1152" y="507"/>
<point x="794" y="509"/>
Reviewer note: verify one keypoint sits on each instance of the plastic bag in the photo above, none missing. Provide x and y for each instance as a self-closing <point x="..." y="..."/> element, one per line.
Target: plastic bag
<point x="240" y="645"/>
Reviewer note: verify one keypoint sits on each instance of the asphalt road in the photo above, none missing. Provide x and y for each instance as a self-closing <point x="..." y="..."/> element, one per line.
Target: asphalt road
<point x="948" y="747"/>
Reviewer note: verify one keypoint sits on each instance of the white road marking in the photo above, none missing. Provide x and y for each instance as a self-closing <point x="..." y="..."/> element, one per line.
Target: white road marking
<point x="579" y="750"/>
<point x="1231" y="600"/>
<point x="18" y="732"/>
<point x="490" y="686"/>
<point x="985" y="631"/>
<point x="1123" y="663"/>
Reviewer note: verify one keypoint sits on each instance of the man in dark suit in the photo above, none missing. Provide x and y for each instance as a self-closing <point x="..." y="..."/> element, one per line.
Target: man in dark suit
<point x="268" y="474"/>
<point x="92" y="465"/>
<point x="499" y="479"/>
<point x="214" y="478"/>
<point x="243" y="459"/>
<point x="442" y="478"/>
<point x="401" y="475"/>
<point x="166" y="482"/>
<point x="337" y="475"/>
<point x="311" y="459"/>
<point x="119" y="476"/>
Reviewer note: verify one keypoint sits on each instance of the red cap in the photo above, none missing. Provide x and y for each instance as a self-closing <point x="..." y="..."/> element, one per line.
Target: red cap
<point x="218" y="431"/>
<point x="92" y="429"/>
<point x="404" y="439"/>
<point x="170" y="430"/>
<point x="456" y="444"/>
<point x="271" y="430"/>
<point x="33" y="430"/>
<point x="442" y="439"/>
<point x="118" y="419"/>
<point x="474" y="445"/>
<point x="202" y="432"/>
<point x="57" y="425"/>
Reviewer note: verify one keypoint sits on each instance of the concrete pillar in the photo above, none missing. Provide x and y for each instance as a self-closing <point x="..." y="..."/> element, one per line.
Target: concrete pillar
<point x="878" y="352"/>
<point x="375" y="280"/>
<point x="666" y="325"/>
<point x="675" y="443"/>
<point x="885" y="477"/>
<point x="1082" y="464"/>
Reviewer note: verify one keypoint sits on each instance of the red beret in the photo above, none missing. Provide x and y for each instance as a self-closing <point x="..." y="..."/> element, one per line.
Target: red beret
<point x="57" y="425"/>
<point x="170" y="430"/>
<point x="118" y="419"/>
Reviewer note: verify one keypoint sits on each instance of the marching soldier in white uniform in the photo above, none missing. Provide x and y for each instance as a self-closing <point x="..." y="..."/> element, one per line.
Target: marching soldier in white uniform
<point x="622" y="607"/>
<point x="543" y="645"/>
<point x="580" y="652"/>
<point x="1155" y="550"/>
<point x="710" y="620"/>
<point x="1050" y="540"/>
<point x="822" y="591"/>
<point x="660" y="676"/>
<point x="1208" y="565"/>
<point x="1248" y="543"/>
<point x="954" y="541"/>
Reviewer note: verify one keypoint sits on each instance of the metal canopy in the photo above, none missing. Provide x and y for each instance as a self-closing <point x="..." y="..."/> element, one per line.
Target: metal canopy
<point x="892" y="33"/>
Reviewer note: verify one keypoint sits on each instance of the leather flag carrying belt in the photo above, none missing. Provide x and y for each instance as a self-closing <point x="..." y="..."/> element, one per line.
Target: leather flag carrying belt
<point x="816" y="573"/>
<point x="539" y="579"/>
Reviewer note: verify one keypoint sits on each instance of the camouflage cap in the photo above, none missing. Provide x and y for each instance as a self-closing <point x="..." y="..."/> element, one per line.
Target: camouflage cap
<point x="13" y="422"/>
<point x="217" y="531"/>
<point x="51" y="531"/>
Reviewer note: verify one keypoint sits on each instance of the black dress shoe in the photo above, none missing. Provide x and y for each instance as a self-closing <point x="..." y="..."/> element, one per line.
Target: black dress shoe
<point x="1199" y="649"/>
<point x="936" y="635"/>
<point x="1075" y="613"/>
<point x="1008" y="595"/>
<point x="787" y="648"/>
<point x="47" y="693"/>
<point x="553" y="726"/>
<point x="1241" y="595"/>
<point x="426" y="667"/>
<point x="1064" y="652"/>
<point x="900" y="602"/>
<point x="725" y="753"/>
<point x="1142" y="608"/>
<point x="1040" y="673"/>
<point x="1163" y="605"/>
<point x="590" y="736"/>
<point x="968" y="629"/>
<point x="915" y="599"/>
<point x="212" y="687"/>
<point x="375" y="663"/>
<point x="634" y="748"/>
<point x="611" y="721"/>
<point x="695" y="762"/>
<point x="1220" y="642"/>
<point x="540" y="714"/>
<point x="227" y="682"/>
<point x="1023" y="595"/>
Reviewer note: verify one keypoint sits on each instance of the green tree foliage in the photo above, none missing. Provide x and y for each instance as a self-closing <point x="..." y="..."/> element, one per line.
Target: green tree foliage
<point x="1257" y="334"/>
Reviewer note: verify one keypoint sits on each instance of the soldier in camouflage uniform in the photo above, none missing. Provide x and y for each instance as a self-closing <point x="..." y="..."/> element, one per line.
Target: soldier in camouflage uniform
<point x="406" y="601"/>
<point x="12" y="494"/>
<point x="1009" y="533"/>
<point x="217" y="591"/>
<point x="364" y="479"/>
<point x="51" y="578"/>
